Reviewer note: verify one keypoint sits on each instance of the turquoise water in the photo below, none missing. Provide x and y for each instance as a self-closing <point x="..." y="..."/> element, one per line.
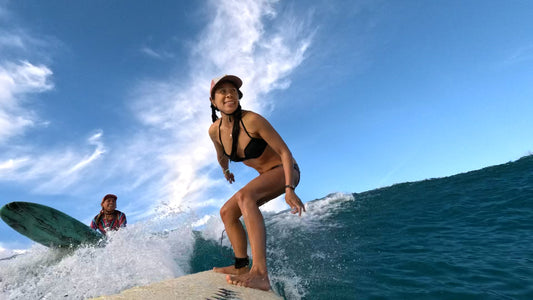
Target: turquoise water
<point x="468" y="236"/>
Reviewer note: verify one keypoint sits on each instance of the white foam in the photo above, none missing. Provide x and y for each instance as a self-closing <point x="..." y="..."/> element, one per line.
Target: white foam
<point x="316" y="211"/>
<point x="213" y="229"/>
<point x="144" y="253"/>
<point x="9" y="253"/>
<point x="132" y="256"/>
<point x="287" y="227"/>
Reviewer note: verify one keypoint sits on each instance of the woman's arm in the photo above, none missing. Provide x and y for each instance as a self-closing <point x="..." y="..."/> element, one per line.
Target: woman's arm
<point x="262" y="127"/>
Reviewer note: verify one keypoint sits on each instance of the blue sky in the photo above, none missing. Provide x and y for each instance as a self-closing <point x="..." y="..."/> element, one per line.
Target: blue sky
<point x="104" y="97"/>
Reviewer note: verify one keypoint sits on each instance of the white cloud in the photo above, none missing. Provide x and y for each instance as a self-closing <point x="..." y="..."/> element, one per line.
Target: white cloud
<point x="156" y="53"/>
<point x="167" y="161"/>
<point x="237" y="41"/>
<point x="244" y="45"/>
<point x="16" y="81"/>
<point x="54" y="171"/>
<point x="28" y="78"/>
<point x="51" y="170"/>
<point x="12" y="164"/>
<point x="9" y="40"/>
<point x="150" y="52"/>
<point x="98" y="151"/>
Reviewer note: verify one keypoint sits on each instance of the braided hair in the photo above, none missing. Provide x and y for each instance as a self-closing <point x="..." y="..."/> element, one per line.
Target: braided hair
<point x="214" y="116"/>
<point x="101" y="215"/>
<point x="237" y="115"/>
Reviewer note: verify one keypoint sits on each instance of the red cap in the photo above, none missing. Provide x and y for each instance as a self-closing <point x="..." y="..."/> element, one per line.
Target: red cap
<point x="109" y="196"/>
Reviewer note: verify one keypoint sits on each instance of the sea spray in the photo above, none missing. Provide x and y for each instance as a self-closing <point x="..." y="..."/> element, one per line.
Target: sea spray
<point x="135" y="255"/>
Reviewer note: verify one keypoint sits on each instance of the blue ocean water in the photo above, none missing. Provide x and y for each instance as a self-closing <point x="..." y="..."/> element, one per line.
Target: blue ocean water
<point x="468" y="236"/>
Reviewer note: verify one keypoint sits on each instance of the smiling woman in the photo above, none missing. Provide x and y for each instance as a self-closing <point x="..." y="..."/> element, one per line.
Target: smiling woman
<point x="109" y="217"/>
<point x="260" y="147"/>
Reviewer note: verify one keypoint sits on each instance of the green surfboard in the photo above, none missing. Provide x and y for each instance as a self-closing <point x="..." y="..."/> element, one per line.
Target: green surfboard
<point x="47" y="226"/>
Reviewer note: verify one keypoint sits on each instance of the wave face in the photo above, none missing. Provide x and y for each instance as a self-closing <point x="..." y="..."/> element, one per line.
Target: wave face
<point x="467" y="236"/>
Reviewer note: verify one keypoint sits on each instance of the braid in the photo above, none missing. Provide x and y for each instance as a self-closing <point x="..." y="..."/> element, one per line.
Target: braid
<point x="99" y="218"/>
<point x="214" y="116"/>
<point x="237" y="115"/>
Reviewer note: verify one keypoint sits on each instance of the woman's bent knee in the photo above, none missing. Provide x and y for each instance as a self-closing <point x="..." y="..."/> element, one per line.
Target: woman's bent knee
<point x="240" y="196"/>
<point x="229" y="213"/>
<point x="245" y="201"/>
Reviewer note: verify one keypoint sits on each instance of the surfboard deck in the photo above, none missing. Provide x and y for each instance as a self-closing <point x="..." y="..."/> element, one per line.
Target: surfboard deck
<point x="46" y="225"/>
<point x="202" y="285"/>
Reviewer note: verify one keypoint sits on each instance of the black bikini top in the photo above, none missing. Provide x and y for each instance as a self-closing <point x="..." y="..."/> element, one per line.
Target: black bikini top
<point x="254" y="149"/>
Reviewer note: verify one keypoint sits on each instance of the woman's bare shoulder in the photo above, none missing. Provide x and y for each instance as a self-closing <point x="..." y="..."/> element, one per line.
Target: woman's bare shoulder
<point x="251" y="116"/>
<point x="213" y="129"/>
<point x="255" y="123"/>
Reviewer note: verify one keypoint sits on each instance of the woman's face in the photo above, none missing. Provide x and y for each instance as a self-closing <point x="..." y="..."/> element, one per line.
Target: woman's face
<point x="109" y="205"/>
<point x="226" y="97"/>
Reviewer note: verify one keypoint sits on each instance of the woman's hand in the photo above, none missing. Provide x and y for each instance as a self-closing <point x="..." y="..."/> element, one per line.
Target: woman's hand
<point x="297" y="207"/>
<point x="229" y="176"/>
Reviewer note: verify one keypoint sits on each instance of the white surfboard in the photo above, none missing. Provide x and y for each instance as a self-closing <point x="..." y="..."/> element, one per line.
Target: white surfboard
<point x="202" y="285"/>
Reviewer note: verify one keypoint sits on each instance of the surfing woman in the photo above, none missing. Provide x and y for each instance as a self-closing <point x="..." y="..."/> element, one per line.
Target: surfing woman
<point x="241" y="135"/>
<point x="109" y="217"/>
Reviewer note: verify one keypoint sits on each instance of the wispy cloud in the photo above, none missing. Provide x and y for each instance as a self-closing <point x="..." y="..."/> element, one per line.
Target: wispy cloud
<point x="155" y="53"/>
<point x="16" y="43"/>
<point x="53" y="171"/>
<point x="150" y="52"/>
<point x="520" y="55"/>
<point x="12" y="164"/>
<point x="168" y="161"/>
<point x="47" y="170"/>
<point x="236" y="41"/>
<point x="98" y="151"/>
<point x="17" y="80"/>
<point x="263" y="54"/>
<point x="9" y="40"/>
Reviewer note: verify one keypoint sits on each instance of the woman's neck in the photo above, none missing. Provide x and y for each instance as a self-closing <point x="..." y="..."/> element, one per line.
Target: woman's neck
<point x="228" y="119"/>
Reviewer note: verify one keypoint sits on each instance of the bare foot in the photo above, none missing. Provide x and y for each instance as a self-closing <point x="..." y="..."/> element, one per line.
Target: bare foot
<point x="252" y="279"/>
<point x="231" y="270"/>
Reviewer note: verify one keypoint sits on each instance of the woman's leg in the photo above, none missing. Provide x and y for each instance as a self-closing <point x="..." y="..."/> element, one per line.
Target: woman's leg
<point x="260" y="190"/>
<point x="230" y="214"/>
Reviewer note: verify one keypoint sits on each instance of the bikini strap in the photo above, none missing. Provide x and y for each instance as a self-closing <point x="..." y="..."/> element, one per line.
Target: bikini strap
<point x="246" y="130"/>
